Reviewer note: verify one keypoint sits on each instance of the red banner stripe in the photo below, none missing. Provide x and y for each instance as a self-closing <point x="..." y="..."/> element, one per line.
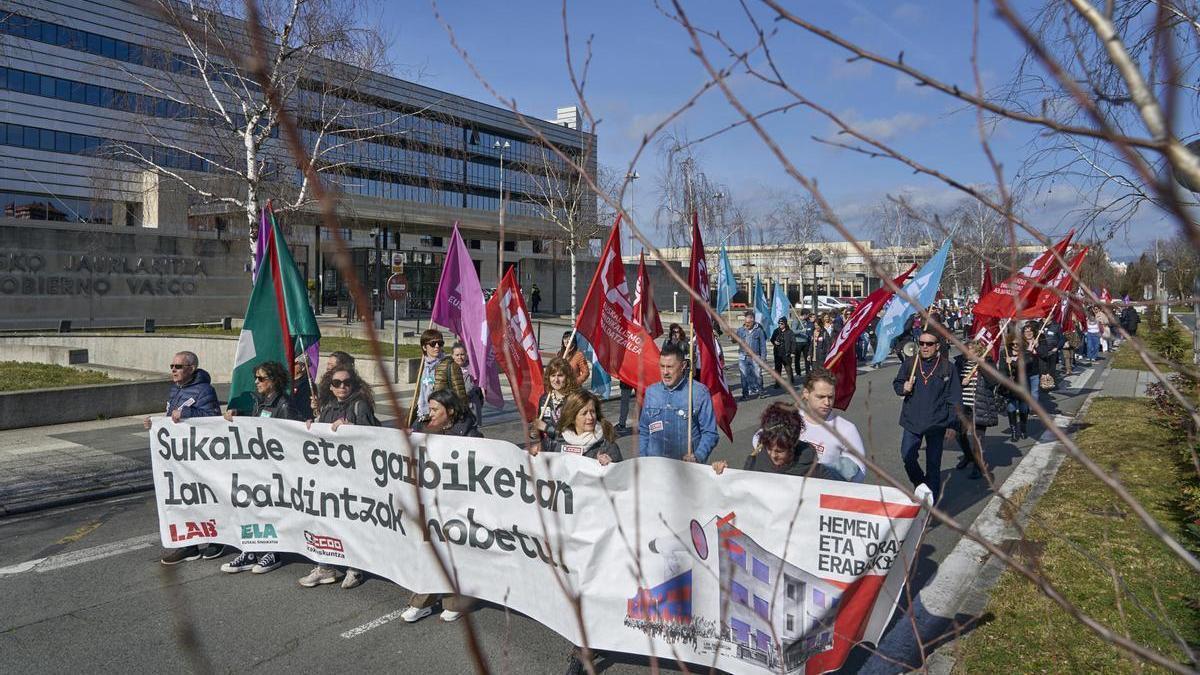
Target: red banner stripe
<point x="870" y="506"/>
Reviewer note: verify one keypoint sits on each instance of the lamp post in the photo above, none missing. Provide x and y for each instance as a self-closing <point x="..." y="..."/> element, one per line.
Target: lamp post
<point x="377" y="301"/>
<point x="629" y="178"/>
<point x="814" y="258"/>
<point x="1164" y="266"/>
<point x="501" y="147"/>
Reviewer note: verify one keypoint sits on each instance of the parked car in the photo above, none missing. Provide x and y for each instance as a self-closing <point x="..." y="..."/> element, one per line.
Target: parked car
<point x="825" y="303"/>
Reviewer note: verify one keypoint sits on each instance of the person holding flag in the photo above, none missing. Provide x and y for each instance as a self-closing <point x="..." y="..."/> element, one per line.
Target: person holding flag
<point x="931" y="392"/>
<point x="677" y="419"/>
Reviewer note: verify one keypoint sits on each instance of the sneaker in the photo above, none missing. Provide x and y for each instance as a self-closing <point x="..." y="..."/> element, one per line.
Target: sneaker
<point x="268" y="562"/>
<point x="449" y="616"/>
<point x="212" y="551"/>
<point x="174" y="556"/>
<point x="320" y="575"/>
<point x="243" y="562"/>
<point x="353" y="578"/>
<point x="414" y="614"/>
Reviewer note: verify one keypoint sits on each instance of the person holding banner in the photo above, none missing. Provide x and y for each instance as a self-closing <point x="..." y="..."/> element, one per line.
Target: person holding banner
<point x="677" y="415"/>
<point x="584" y="431"/>
<point x="350" y="402"/>
<point x="835" y="438"/>
<point x="560" y="378"/>
<point x="270" y="400"/>
<point x="323" y="393"/>
<point x="569" y="352"/>
<point x="785" y="451"/>
<point x="449" y="416"/>
<point x="931" y="392"/>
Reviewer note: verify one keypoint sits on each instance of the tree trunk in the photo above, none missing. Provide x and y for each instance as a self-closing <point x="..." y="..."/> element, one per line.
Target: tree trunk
<point x="252" y="196"/>
<point x="574" y="309"/>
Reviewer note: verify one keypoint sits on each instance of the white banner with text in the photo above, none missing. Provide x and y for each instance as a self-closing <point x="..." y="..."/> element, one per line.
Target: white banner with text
<point x="747" y="572"/>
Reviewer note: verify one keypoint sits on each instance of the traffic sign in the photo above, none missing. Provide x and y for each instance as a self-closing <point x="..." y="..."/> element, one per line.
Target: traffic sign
<point x="397" y="287"/>
<point x="397" y="262"/>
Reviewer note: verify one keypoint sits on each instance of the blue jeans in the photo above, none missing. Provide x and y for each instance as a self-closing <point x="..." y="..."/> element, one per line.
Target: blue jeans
<point x="1093" y="345"/>
<point x="626" y="394"/>
<point x="751" y="380"/>
<point x="1033" y="385"/>
<point x="910" y="448"/>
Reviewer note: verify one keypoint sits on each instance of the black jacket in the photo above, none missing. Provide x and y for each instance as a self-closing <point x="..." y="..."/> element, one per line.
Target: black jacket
<point x="804" y="463"/>
<point x="784" y="341"/>
<point x="931" y="404"/>
<point x="467" y="426"/>
<point x="302" y="399"/>
<point x="277" y="406"/>
<point x="1033" y="364"/>
<point x="984" y="410"/>
<point x="354" y="410"/>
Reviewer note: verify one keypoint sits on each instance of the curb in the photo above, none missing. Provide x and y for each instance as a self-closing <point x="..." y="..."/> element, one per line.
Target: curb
<point x="77" y="498"/>
<point x="965" y="578"/>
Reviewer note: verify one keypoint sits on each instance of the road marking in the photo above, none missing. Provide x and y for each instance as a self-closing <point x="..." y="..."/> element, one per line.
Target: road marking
<point x="84" y="555"/>
<point x="374" y="623"/>
<point x="80" y="533"/>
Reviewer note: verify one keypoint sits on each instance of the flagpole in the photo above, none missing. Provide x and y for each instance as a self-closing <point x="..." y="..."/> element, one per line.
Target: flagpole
<point x="988" y="349"/>
<point x="691" y="377"/>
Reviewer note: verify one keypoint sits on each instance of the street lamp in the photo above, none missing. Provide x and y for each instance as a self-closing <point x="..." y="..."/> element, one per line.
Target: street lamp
<point x="1164" y="266"/>
<point x="814" y="258"/>
<point x="377" y="301"/>
<point x="501" y="147"/>
<point x="629" y="178"/>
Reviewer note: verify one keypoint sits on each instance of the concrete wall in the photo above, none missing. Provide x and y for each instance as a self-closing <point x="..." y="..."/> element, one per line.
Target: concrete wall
<point x="103" y="275"/>
<point x="38" y="407"/>
<point x="55" y="355"/>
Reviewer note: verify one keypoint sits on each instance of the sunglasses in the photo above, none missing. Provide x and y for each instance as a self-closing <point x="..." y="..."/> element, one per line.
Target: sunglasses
<point x="434" y="343"/>
<point x="179" y="366"/>
<point x="338" y="384"/>
<point x="927" y="344"/>
<point x="261" y="378"/>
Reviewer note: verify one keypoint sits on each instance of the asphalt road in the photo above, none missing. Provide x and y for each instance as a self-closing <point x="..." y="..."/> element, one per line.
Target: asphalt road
<point x="99" y="600"/>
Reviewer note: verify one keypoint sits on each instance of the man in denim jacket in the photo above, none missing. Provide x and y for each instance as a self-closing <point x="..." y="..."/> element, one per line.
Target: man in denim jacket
<point x="663" y="425"/>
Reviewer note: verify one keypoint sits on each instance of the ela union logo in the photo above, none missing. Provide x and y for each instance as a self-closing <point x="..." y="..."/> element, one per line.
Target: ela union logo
<point x="191" y="530"/>
<point x="324" y="544"/>
<point x="259" y="533"/>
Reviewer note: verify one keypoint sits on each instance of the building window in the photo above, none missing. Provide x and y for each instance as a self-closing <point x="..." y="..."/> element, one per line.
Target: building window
<point x="739" y="592"/>
<point x="762" y="607"/>
<point x="474" y="243"/>
<point x="818" y="598"/>
<point x="762" y="640"/>
<point x="761" y="571"/>
<point x="741" y="631"/>
<point x="790" y="590"/>
<point x="510" y="245"/>
<point x="737" y="554"/>
<point x="538" y="245"/>
<point x="789" y="623"/>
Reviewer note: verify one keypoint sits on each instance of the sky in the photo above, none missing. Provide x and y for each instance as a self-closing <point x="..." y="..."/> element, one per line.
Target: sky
<point x="642" y="70"/>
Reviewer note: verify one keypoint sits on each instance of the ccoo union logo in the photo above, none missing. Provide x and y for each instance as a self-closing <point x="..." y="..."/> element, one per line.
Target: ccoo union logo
<point x="324" y="545"/>
<point x="204" y="529"/>
<point x="259" y="533"/>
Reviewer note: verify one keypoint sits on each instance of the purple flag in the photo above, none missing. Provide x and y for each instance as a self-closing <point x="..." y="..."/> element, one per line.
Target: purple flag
<point x="459" y="306"/>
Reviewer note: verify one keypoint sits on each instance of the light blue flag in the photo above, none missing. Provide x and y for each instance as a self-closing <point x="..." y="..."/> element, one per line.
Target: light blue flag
<point x="779" y="307"/>
<point x="922" y="288"/>
<point x="601" y="382"/>
<point x="762" y="311"/>
<point x="726" y="283"/>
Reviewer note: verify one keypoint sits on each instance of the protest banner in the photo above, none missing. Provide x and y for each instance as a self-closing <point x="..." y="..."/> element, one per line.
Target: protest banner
<point x="746" y="572"/>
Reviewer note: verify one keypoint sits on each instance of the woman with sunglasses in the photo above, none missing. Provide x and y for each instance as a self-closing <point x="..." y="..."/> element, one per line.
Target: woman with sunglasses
<point x="350" y="402"/>
<point x="438" y="371"/>
<point x="270" y="400"/>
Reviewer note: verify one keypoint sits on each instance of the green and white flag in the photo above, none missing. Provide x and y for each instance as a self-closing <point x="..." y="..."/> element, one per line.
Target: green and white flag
<point x="277" y="318"/>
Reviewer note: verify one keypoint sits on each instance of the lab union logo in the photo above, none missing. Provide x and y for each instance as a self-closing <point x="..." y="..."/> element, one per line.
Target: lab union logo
<point x="259" y="533"/>
<point x="204" y="529"/>
<point x="324" y="545"/>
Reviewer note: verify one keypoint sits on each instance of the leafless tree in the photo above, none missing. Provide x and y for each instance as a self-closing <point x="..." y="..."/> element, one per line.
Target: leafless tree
<point x="211" y="130"/>
<point x="983" y="234"/>
<point x="683" y="188"/>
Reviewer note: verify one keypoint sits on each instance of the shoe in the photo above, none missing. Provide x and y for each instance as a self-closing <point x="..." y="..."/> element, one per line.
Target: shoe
<point x="620" y="428"/>
<point x="212" y="551"/>
<point x="962" y="463"/>
<point x="320" y="575"/>
<point x="976" y="474"/>
<point x="415" y="614"/>
<point x="243" y="562"/>
<point x="449" y="616"/>
<point x="175" y="556"/>
<point x="268" y="562"/>
<point x="353" y="578"/>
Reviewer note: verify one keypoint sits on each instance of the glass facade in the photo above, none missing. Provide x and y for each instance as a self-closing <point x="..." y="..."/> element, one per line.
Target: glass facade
<point x="28" y="206"/>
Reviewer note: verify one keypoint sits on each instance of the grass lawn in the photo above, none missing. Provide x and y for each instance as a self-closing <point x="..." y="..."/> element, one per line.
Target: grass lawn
<point x="328" y="343"/>
<point x="1126" y="357"/>
<point x="20" y="375"/>
<point x="1091" y="540"/>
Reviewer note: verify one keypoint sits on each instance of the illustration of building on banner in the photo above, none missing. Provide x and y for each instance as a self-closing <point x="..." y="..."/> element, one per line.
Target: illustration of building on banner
<point x="770" y="612"/>
<point x="771" y="608"/>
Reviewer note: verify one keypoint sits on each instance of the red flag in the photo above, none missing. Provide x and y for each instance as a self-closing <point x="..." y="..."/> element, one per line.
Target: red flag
<point x="514" y="345"/>
<point x="1019" y="291"/>
<point x="645" y="311"/>
<point x="1050" y="300"/>
<point x="986" y="328"/>
<point x="1105" y="297"/>
<point x="623" y="348"/>
<point x="712" y="368"/>
<point x="1072" y="313"/>
<point x="841" y="360"/>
